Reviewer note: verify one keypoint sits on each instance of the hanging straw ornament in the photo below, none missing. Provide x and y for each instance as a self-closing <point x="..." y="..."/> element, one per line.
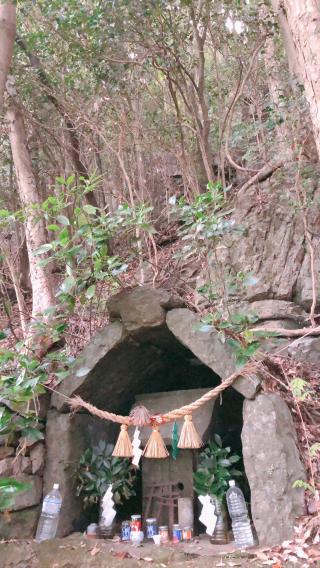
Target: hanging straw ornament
<point x="155" y="447"/>
<point x="123" y="447"/>
<point x="140" y="416"/>
<point x="189" y="437"/>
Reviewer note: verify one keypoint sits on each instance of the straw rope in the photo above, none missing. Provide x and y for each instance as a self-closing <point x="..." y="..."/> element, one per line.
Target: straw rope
<point x="249" y="369"/>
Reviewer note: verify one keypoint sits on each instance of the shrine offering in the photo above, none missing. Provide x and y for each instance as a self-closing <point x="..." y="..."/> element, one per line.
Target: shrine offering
<point x="135" y="523"/>
<point x="187" y="534"/>
<point x="125" y="530"/>
<point x="164" y="534"/>
<point x="152" y="527"/>
<point x="176" y="534"/>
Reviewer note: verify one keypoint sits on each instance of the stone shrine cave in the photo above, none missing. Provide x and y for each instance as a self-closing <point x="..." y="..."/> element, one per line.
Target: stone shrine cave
<point x="153" y="345"/>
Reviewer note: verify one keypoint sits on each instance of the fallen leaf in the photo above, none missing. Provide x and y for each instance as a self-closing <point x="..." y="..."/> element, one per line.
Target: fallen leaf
<point x="147" y="559"/>
<point x="301" y="553"/>
<point x="121" y="555"/>
<point x="95" y="551"/>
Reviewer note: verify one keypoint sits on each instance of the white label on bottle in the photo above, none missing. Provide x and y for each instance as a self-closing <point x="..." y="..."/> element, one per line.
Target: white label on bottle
<point x="51" y="507"/>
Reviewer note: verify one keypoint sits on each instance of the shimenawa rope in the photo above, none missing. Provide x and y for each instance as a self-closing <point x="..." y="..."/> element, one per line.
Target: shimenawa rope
<point x="248" y="369"/>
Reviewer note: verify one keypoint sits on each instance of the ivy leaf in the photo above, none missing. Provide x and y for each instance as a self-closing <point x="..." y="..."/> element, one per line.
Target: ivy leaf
<point x="68" y="284"/>
<point x="90" y="209"/>
<point x="90" y="292"/>
<point x="63" y="220"/>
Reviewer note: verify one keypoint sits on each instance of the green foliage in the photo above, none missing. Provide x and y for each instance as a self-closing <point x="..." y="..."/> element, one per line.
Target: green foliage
<point x="300" y="484"/>
<point x="80" y="249"/>
<point x="10" y="487"/>
<point x="97" y="469"/>
<point x="235" y="330"/>
<point x="216" y="468"/>
<point x="314" y="449"/>
<point x="203" y="220"/>
<point x="300" y="388"/>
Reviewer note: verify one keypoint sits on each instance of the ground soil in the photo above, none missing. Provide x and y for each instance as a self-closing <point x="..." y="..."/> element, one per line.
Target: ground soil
<point x="77" y="551"/>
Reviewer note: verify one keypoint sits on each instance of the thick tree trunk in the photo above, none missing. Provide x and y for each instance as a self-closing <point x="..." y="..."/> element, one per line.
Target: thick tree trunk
<point x="41" y="280"/>
<point x="303" y="18"/>
<point x="7" y="37"/>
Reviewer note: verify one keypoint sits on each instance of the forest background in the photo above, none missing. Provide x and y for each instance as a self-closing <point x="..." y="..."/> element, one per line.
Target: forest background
<point x="141" y="143"/>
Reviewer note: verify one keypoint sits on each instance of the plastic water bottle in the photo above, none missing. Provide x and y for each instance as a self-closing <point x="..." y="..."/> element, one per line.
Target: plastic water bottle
<point x="238" y="511"/>
<point x="48" y="522"/>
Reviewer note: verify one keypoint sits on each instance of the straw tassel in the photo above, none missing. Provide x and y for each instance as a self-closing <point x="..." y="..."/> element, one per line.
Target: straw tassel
<point x="189" y="437"/>
<point x="155" y="447"/>
<point x="123" y="447"/>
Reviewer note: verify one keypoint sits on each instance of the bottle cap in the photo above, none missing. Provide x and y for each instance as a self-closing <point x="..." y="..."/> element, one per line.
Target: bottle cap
<point x="56" y="486"/>
<point x="232" y="483"/>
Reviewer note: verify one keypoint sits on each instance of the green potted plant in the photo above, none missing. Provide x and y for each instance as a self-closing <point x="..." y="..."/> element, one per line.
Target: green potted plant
<point x="216" y="468"/>
<point x="98" y="469"/>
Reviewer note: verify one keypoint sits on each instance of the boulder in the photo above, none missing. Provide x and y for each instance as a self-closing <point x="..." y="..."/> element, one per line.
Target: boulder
<point x="91" y="357"/>
<point x="278" y="310"/>
<point x="6" y="452"/>
<point x="31" y="496"/>
<point x="66" y="439"/>
<point x="208" y="348"/>
<point x="6" y="467"/>
<point x="22" y="464"/>
<point x="19" y="525"/>
<point x="305" y="349"/>
<point x="272" y="465"/>
<point x="142" y="307"/>
<point x="37" y="456"/>
<point x="272" y="244"/>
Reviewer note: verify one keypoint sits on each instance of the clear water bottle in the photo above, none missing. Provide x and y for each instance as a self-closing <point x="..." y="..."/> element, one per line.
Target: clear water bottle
<point x="238" y="512"/>
<point x="48" y="522"/>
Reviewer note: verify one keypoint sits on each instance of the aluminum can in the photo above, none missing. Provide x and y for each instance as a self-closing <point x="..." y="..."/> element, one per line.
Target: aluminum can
<point x="125" y="530"/>
<point x="176" y="534"/>
<point x="164" y="534"/>
<point x="187" y="533"/>
<point x="136" y="523"/>
<point x="152" y="527"/>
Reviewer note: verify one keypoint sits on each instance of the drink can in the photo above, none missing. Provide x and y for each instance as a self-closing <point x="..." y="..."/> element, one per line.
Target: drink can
<point x="164" y="534"/>
<point x="187" y="533"/>
<point x="125" y="530"/>
<point x="136" y="523"/>
<point x="176" y="534"/>
<point x="152" y="527"/>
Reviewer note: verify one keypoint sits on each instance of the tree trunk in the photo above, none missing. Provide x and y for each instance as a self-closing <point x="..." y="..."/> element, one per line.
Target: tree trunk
<point x="41" y="279"/>
<point x="303" y="18"/>
<point x="7" y="36"/>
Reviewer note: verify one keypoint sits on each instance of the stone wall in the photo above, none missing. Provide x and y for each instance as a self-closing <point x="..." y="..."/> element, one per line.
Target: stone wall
<point x="154" y="343"/>
<point x="26" y="464"/>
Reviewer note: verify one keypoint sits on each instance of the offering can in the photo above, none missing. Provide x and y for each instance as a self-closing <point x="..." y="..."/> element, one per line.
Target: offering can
<point x="135" y="523"/>
<point x="152" y="527"/>
<point x="125" y="530"/>
<point x="187" y="533"/>
<point x="164" y="534"/>
<point x="176" y="534"/>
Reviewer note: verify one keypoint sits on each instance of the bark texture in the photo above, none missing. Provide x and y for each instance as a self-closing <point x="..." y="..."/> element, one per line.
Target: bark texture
<point x="7" y="36"/>
<point x="42" y="289"/>
<point x="303" y="19"/>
